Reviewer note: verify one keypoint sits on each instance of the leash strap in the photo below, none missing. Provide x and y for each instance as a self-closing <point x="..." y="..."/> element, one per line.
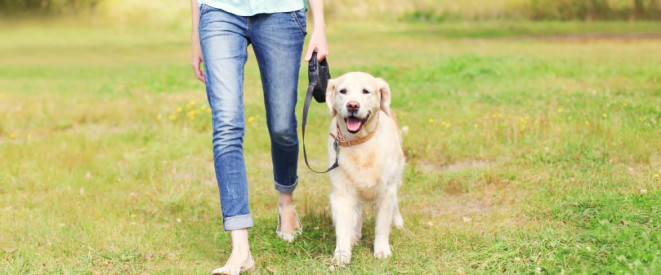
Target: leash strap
<point x="336" y="145"/>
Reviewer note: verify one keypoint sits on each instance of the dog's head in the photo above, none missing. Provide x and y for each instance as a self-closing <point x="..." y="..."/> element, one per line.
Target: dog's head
<point x="356" y="98"/>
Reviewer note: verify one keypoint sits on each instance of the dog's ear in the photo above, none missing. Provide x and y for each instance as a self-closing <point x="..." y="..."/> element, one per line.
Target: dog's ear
<point x="330" y="95"/>
<point x="384" y="91"/>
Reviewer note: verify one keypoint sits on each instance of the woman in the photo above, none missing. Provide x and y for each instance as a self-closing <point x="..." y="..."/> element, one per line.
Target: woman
<point x="222" y="30"/>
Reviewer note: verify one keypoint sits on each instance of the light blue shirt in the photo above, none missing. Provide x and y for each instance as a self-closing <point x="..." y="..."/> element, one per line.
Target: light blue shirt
<point x="252" y="7"/>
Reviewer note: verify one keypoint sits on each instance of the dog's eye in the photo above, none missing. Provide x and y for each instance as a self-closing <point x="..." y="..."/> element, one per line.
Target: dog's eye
<point x="365" y="91"/>
<point x="343" y="91"/>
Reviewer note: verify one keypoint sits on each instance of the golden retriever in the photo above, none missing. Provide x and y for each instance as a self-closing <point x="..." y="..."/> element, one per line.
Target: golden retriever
<point x="370" y="166"/>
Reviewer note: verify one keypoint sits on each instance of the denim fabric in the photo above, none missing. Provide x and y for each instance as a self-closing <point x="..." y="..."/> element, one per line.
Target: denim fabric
<point x="277" y="41"/>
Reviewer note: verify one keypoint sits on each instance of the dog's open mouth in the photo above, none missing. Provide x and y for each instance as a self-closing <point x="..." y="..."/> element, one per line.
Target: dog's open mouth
<point x="354" y="124"/>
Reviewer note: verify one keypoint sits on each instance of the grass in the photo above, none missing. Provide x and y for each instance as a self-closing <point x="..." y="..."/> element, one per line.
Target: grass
<point x="525" y="155"/>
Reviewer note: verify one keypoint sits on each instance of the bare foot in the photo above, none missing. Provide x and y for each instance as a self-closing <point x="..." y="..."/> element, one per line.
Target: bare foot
<point x="288" y="220"/>
<point x="241" y="259"/>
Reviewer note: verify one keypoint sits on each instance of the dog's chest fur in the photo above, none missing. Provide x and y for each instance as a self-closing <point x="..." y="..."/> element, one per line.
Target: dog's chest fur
<point x="362" y="170"/>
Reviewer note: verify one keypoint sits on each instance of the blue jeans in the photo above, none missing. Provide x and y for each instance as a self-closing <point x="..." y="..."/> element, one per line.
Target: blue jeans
<point x="277" y="41"/>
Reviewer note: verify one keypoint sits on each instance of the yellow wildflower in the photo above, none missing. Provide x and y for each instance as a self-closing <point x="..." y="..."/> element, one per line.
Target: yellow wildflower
<point x="158" y="117"/>
<point x="443" y="122"/>
<point x="656" y="176"/>
<point x="192" y="102"/>
<point x="172" y="117"/>
<point x="250" y="119"/>
<point x="431" y="120"/>
<point x="12" y="136"/>
<point x="179" y="109"/>
<point x="560" y="110"/>
<point x="604" y="115"/>
<point x="587" y="122"/>
<point x="29" y="136"/>
<point x="133" y="216"/>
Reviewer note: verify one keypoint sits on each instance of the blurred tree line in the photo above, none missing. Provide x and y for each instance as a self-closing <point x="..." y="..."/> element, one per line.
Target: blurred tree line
<point x="595" y="9"/>
<point x="17" y="7"/>
<point x="434" y="10"/>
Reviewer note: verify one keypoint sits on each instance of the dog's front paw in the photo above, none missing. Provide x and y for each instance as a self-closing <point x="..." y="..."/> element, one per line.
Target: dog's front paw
<point x="382" y="252"/>
<point x="341" y="258"/>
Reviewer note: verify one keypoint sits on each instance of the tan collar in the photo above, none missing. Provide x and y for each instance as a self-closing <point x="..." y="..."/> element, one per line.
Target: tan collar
<point x="348" y="143"/>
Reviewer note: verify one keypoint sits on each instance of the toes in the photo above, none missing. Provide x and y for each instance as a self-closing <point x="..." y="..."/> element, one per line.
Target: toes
<point x="382" y="254"/>
<point x="341" y="259"/>
<point x="226" y="270"/>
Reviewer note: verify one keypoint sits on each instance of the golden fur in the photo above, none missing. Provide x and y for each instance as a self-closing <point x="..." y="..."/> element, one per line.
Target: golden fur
<point x="370" y="172"/>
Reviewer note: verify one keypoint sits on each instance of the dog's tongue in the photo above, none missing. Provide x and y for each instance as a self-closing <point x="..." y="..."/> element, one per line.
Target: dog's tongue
<point x="353" y="124"/>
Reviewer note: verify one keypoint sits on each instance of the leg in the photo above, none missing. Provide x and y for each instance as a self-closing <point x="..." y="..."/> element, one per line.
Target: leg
<point x="224" y="50"/>
<point x="278" y="42"/>
<point x="397" y="219"/>
<point x="385" y="210"/>
<point x="345" y="218"/>
<point x="358" y="228"/>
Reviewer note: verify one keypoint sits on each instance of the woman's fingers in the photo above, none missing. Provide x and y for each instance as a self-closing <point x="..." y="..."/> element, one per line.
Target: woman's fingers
<point x="197" y="69"/>
<point x="321" y="54"/>
<point x="308" y="55"/>
<point x="317" y="44"/>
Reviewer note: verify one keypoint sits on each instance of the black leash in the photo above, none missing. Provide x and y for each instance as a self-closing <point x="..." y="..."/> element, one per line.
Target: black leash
<point x="318" y="74"/>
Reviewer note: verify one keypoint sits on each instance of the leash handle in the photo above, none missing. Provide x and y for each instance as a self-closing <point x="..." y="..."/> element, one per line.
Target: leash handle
<point x="336" y="145"/>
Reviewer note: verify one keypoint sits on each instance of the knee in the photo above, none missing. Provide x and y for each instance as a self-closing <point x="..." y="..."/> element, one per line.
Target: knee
<point x="227" y="134"/>
<point x="284" y="134"/>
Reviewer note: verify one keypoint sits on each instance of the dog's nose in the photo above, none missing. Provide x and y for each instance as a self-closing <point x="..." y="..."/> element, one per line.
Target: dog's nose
<point x="353" y="106"/>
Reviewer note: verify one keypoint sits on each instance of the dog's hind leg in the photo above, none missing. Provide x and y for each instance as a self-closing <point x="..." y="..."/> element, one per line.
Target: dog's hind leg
<point x="397" y="219"/>
<point x="384" y="217"/>
<point x="345" y="218"/>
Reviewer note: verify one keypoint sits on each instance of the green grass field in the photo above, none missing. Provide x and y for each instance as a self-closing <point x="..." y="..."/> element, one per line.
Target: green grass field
<point x="525" y="155"/>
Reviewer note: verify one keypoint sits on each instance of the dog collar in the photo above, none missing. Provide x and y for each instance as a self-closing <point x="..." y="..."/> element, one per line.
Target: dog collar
<point x="342" y="141"/>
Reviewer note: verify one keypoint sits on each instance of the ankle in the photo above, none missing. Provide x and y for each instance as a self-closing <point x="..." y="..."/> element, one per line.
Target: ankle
<point x="285" y="200"/>
<point x="240" y="242"/>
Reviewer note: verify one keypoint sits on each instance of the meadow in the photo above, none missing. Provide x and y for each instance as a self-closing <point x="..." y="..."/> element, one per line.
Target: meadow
<point x="531" y="147"/>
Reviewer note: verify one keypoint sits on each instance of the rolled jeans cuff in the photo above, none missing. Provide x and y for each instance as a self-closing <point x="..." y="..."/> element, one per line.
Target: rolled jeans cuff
<point x="287" y="189"/>
<point x="237" y="222"/>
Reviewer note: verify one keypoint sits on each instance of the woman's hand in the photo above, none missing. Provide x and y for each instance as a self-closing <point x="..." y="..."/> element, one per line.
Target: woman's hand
<point x="317" y="44"/>
<point x="318" y="39"/>
<point x="196" y="49"/>
<point x="196" y="61"/>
